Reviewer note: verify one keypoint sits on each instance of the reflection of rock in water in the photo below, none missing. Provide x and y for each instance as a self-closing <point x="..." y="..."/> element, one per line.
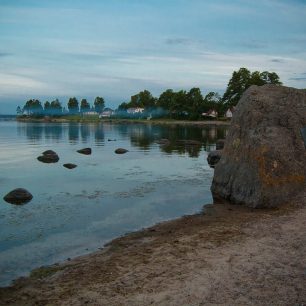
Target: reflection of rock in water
<point x="264" y="162"/>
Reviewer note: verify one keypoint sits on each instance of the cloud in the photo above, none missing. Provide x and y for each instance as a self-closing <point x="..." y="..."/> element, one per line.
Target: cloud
<point x="178" y="41"/>
<point x="298" y="79"/>
<point x="277" y="60"/>
<point x="254" y="44"/>
<point x="4" y="54"/>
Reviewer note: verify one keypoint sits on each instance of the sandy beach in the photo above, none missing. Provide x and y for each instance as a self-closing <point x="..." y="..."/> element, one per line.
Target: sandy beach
<point x="227" y="255"/>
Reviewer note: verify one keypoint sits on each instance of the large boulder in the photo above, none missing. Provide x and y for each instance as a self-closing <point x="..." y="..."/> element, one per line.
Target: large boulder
<point x="263" y="162"/>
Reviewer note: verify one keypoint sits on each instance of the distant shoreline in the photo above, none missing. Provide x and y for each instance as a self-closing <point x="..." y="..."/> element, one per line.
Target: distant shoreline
<point x="125" y="121"/>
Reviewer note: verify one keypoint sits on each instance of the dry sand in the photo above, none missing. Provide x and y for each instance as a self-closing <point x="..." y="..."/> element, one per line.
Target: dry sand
<point x="229" y="255"/>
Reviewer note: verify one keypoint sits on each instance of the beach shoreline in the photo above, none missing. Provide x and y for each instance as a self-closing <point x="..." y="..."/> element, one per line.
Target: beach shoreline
<point x="228" y="254"/>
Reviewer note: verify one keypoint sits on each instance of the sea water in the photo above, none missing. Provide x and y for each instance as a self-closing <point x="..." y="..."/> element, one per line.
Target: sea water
<point x="74" y="212"/>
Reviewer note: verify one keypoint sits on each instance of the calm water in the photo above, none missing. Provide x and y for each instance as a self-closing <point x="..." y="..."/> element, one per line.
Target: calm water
<point x="74" y="212"/>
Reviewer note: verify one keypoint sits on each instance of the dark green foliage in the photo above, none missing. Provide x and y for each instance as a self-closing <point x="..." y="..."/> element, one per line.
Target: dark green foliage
<point x="85" y="107"/>
<point x="33" y="107"/>
<point x="19" y="110"/>
<point x="73" y="105"/>
<point x="242" y="79"/>
<point x="99" y="104"/>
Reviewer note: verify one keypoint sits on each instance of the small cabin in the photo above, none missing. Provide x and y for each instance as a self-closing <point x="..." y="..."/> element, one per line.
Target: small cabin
<point x="135" y="110"/>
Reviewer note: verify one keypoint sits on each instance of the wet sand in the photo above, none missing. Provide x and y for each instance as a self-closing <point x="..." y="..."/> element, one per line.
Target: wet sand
<point x="227" y="255"/>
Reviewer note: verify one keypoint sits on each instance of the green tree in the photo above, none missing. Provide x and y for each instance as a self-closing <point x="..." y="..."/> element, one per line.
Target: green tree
<point x="194" y="103"/>
<point x="143" y="99"/>
<point x="213" y="101"/>
<point x="19" y="110"/>
<point x="73" y="105"/>
<point x="243" y="79"/>
<point x="123" y="106"/>
<point x="99" y="104"/>
<point x="47" y="107"/>
<point x="56" y="107"/>
<point x="33" y="107"/>
<point x="85" y="107"/>
<point x="165" y="100"/>
<point x="179" y="107"/>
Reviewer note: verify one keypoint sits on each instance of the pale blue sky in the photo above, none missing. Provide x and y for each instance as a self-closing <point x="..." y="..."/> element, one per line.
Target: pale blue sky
<point x="116" y="48"/>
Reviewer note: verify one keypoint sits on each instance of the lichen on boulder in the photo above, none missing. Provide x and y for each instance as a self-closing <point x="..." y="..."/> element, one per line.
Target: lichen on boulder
<point x="263" y="162"/>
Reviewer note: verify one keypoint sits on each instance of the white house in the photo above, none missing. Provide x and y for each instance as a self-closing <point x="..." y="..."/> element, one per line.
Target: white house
<point x="107" y="113"/>
<point x="135" y="110"/>
<point x="90" y="113"/>
<point x="211" y="113"/>
<point x="229" y="112"/>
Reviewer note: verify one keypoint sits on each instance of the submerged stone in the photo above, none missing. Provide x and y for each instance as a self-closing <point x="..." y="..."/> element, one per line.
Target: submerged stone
<point x="263" y="162"/>
<point x="18" y="196"/>
<point x="85" y="151"/>
<point x="69" y="166"/>
<point x="121" y="151"/>
<point x="214" y="157"/>
<point x="48" y="157"/>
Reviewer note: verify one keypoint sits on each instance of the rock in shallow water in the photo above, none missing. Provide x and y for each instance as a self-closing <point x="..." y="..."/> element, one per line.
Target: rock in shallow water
<point x="85" y="151"/>
<point x="18" y="196"/>
<point x="69" y="166"/>
<point x="263" y="162"/>
<point x="214" y="157"/>
<point x="48" y="157"/>
<point x="121" y="151"/>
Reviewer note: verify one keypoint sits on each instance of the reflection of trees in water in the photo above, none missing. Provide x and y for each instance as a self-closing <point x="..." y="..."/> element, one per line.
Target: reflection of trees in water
<point x="143" y="136"/>
<point x="73" y="132"/>
<point x="85" y="132"/>
<point x="38" y="131"/>
<point x="32" y="132"/>
<point x="53" y="132"/>
<point x="99" y="134"/>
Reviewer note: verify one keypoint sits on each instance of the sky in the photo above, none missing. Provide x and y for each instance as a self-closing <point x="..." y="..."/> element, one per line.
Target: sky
<point x="116" y="48"/>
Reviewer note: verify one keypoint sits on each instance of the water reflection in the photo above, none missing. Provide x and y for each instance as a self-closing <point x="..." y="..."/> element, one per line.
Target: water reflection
<point x="141" y="136"/>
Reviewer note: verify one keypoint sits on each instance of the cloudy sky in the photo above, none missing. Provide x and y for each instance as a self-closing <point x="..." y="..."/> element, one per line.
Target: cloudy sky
<point x="115" y="48"/>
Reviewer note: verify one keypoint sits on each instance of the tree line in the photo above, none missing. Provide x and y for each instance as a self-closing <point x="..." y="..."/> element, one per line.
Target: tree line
<point x="192" y="104"/>
<point x="174" y="104"/>
<point x="35" y="107"/>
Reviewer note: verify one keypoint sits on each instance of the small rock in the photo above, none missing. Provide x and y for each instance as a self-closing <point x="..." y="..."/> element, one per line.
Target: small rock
<point x="70" y="166"/>
<point x="121" y="151"/>
<point x="214" y="157"/>
<point x="86" y="151"/>
<point x="18" y="196"/>
<point x="48" y="157"/>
